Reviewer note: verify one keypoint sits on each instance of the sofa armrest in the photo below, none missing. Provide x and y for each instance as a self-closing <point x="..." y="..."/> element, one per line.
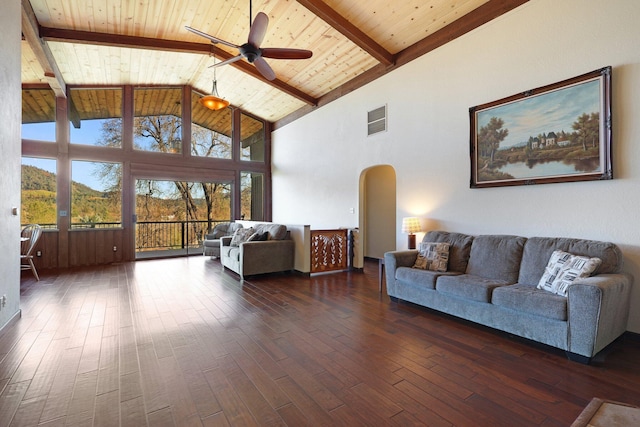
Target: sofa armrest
<point x="392" y="261"/>
<point x="225" y="241"/>
<point x="267" y="256"/>
<point x="598" y="309"/>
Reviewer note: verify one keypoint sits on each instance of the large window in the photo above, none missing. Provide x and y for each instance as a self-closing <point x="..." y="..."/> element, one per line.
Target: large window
<point x="39" y="115"/>
<point x="252" y="196"/>
<point x="210" y="130"/>
<point x="39" y="194"/>
<point x="95" y="117"/>
<point x="96" y="196"/>
<point x="86" y="168"/>
<point x="252" y="139"/>
<point x="157" y="122"/>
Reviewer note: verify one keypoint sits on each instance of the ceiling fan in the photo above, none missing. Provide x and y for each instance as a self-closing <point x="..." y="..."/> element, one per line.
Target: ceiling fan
<point x="251" y="50"/>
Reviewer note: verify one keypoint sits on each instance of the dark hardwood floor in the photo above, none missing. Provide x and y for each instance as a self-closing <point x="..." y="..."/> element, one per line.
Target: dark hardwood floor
<point x="178" y="342"/>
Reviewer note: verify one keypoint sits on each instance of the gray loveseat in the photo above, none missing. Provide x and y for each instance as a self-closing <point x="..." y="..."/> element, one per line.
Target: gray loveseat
<point x="263" y="248"/>
<point x="491" y="280"/>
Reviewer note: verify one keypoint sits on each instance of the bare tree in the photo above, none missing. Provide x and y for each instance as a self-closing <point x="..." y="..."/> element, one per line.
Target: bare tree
<point x="162" y="133"/>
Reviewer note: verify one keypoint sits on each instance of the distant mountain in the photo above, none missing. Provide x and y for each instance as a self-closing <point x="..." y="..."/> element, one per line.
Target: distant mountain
<point x="34" y="178"/>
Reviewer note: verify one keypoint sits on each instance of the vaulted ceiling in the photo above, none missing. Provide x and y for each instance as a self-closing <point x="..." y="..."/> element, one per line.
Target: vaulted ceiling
<point x="144" y="42"/>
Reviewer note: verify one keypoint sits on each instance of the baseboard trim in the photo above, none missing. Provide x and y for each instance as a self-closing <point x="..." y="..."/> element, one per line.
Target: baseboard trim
<point x="17" y="315"/>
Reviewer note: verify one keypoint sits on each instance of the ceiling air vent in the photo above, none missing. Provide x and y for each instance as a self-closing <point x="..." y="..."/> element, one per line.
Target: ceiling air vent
<point x="377" y="120"/>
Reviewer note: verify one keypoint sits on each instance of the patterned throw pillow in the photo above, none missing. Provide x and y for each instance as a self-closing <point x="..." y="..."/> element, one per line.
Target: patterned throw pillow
<point x="241" y="235"/>
<point x="563" y="269"/>
<point x="432" y="256"/>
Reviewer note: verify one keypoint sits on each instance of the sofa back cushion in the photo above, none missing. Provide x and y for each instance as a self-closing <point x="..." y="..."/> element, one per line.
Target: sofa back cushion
<point x="459" y="248"/>
<point x="276" y="231"/>
<point x="496" y="257"/>
<point x="538" y="250"/>
<point x="224" y="229"/>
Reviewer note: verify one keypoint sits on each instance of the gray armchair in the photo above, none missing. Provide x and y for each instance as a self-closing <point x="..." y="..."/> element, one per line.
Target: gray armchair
<point x="211" y="244"/>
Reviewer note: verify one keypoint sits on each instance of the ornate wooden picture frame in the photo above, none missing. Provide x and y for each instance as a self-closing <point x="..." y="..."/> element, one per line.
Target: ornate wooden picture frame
<point x="556" y="133"/>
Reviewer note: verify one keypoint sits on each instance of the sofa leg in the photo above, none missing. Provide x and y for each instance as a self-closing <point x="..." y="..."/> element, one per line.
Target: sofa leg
<point x="574" y="357"/>
<point x="394" y="299"/>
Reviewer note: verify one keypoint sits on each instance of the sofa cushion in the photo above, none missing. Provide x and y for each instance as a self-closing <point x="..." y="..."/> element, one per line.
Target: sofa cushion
<point x="432" y="256"/>
<point x="276" y="231"/>
<point x="528" y="299"/>
<point x="468" y="286"/>
<point x="223" y="229"/>
<point x="415" y="276"/>
<point x="459" y="248"/>
<point x="563" y="269"/>
<point x="538" y="250"/>
<point x="241" y="235"/>
<point x="496" y="257"/>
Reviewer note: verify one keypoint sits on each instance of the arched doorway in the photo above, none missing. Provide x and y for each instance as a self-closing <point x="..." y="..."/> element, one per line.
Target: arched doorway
<point x="377" y="222"/>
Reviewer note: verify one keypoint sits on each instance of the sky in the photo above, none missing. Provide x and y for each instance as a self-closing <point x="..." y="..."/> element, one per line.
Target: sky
<point x="551" y="111"/>
<point x="82" y="172"/>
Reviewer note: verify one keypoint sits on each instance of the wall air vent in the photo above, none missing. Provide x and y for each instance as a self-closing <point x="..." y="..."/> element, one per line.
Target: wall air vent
<point x="377" y="120"/>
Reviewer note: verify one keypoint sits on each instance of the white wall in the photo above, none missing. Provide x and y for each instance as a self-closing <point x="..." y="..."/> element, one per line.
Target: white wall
<point x="10" y="117"/>
<point x="317" y="159"/>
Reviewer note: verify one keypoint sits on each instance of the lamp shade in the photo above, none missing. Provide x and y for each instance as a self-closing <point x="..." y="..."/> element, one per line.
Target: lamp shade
<point x="411" y="225"/>
<point x="213" y="102"/>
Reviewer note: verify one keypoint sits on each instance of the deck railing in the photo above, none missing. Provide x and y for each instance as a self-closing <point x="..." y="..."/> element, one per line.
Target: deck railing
<point x="157" y="235"/>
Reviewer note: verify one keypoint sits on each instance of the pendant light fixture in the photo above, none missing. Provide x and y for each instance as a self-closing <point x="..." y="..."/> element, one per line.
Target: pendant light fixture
<point x="213" y="101"/>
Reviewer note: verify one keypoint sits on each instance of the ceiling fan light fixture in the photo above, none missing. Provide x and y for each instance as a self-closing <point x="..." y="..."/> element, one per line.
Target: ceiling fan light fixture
<point x="213" y="102"/>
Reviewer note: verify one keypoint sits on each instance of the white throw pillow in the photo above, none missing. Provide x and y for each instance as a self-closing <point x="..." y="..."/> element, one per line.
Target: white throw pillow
<point x="563" y="269"/>
<point x="433" y="256"/>
<point x="241" y="235"/>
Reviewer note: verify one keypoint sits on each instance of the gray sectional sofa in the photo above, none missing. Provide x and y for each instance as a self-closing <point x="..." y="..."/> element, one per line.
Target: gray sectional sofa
<point x="492" y="280"/>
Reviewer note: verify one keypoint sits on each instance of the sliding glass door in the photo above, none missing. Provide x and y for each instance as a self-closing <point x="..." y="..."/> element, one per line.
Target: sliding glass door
<point x="172" y="217"/>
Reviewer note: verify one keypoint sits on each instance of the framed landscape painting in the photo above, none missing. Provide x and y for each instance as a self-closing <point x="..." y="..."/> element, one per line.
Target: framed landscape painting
<point x="556" y="133"/>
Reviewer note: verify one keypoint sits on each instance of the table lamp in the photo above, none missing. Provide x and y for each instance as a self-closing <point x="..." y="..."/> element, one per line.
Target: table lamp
<point x="411" y="225"/>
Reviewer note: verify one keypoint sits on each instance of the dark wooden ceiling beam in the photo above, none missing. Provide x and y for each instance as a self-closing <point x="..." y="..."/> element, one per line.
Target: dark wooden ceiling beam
<point x="105" y="39"/>
<point x="43" y="55"/>
<point x="472" y="20"/>
<point x="346" y="28"/>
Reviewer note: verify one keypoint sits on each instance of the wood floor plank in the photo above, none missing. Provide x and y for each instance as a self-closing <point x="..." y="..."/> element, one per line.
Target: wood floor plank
<point x="28" y="413"/>
<point x="250" y="394"/>
<point x="10" y="401"/>
<point x="182" y="342"/>
<point x="62" y="387"/>
<point x="132" y="413"/>
<point x="83" y="402"/>
<point x="234" y="409"/>
<point x="43" y="379"/>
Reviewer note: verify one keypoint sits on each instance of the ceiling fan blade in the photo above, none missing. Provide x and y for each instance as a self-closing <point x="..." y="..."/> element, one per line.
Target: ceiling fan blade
<point x="285" y="53"/>
<point x="228" y="61"/>
<point x="264" y="68"/>
<point x="258" y="29"/>
<point x="213" y="39"/>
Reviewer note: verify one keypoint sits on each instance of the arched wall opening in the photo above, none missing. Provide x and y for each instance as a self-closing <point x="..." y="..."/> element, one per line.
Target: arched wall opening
<point x="377" y="207"/>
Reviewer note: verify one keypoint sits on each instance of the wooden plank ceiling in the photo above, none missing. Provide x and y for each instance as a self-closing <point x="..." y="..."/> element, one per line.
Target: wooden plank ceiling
<point x="115" y="42"/>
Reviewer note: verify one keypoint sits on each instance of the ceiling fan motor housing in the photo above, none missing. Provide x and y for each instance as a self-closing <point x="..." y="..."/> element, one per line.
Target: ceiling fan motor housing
<point x="250" y="52"/>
